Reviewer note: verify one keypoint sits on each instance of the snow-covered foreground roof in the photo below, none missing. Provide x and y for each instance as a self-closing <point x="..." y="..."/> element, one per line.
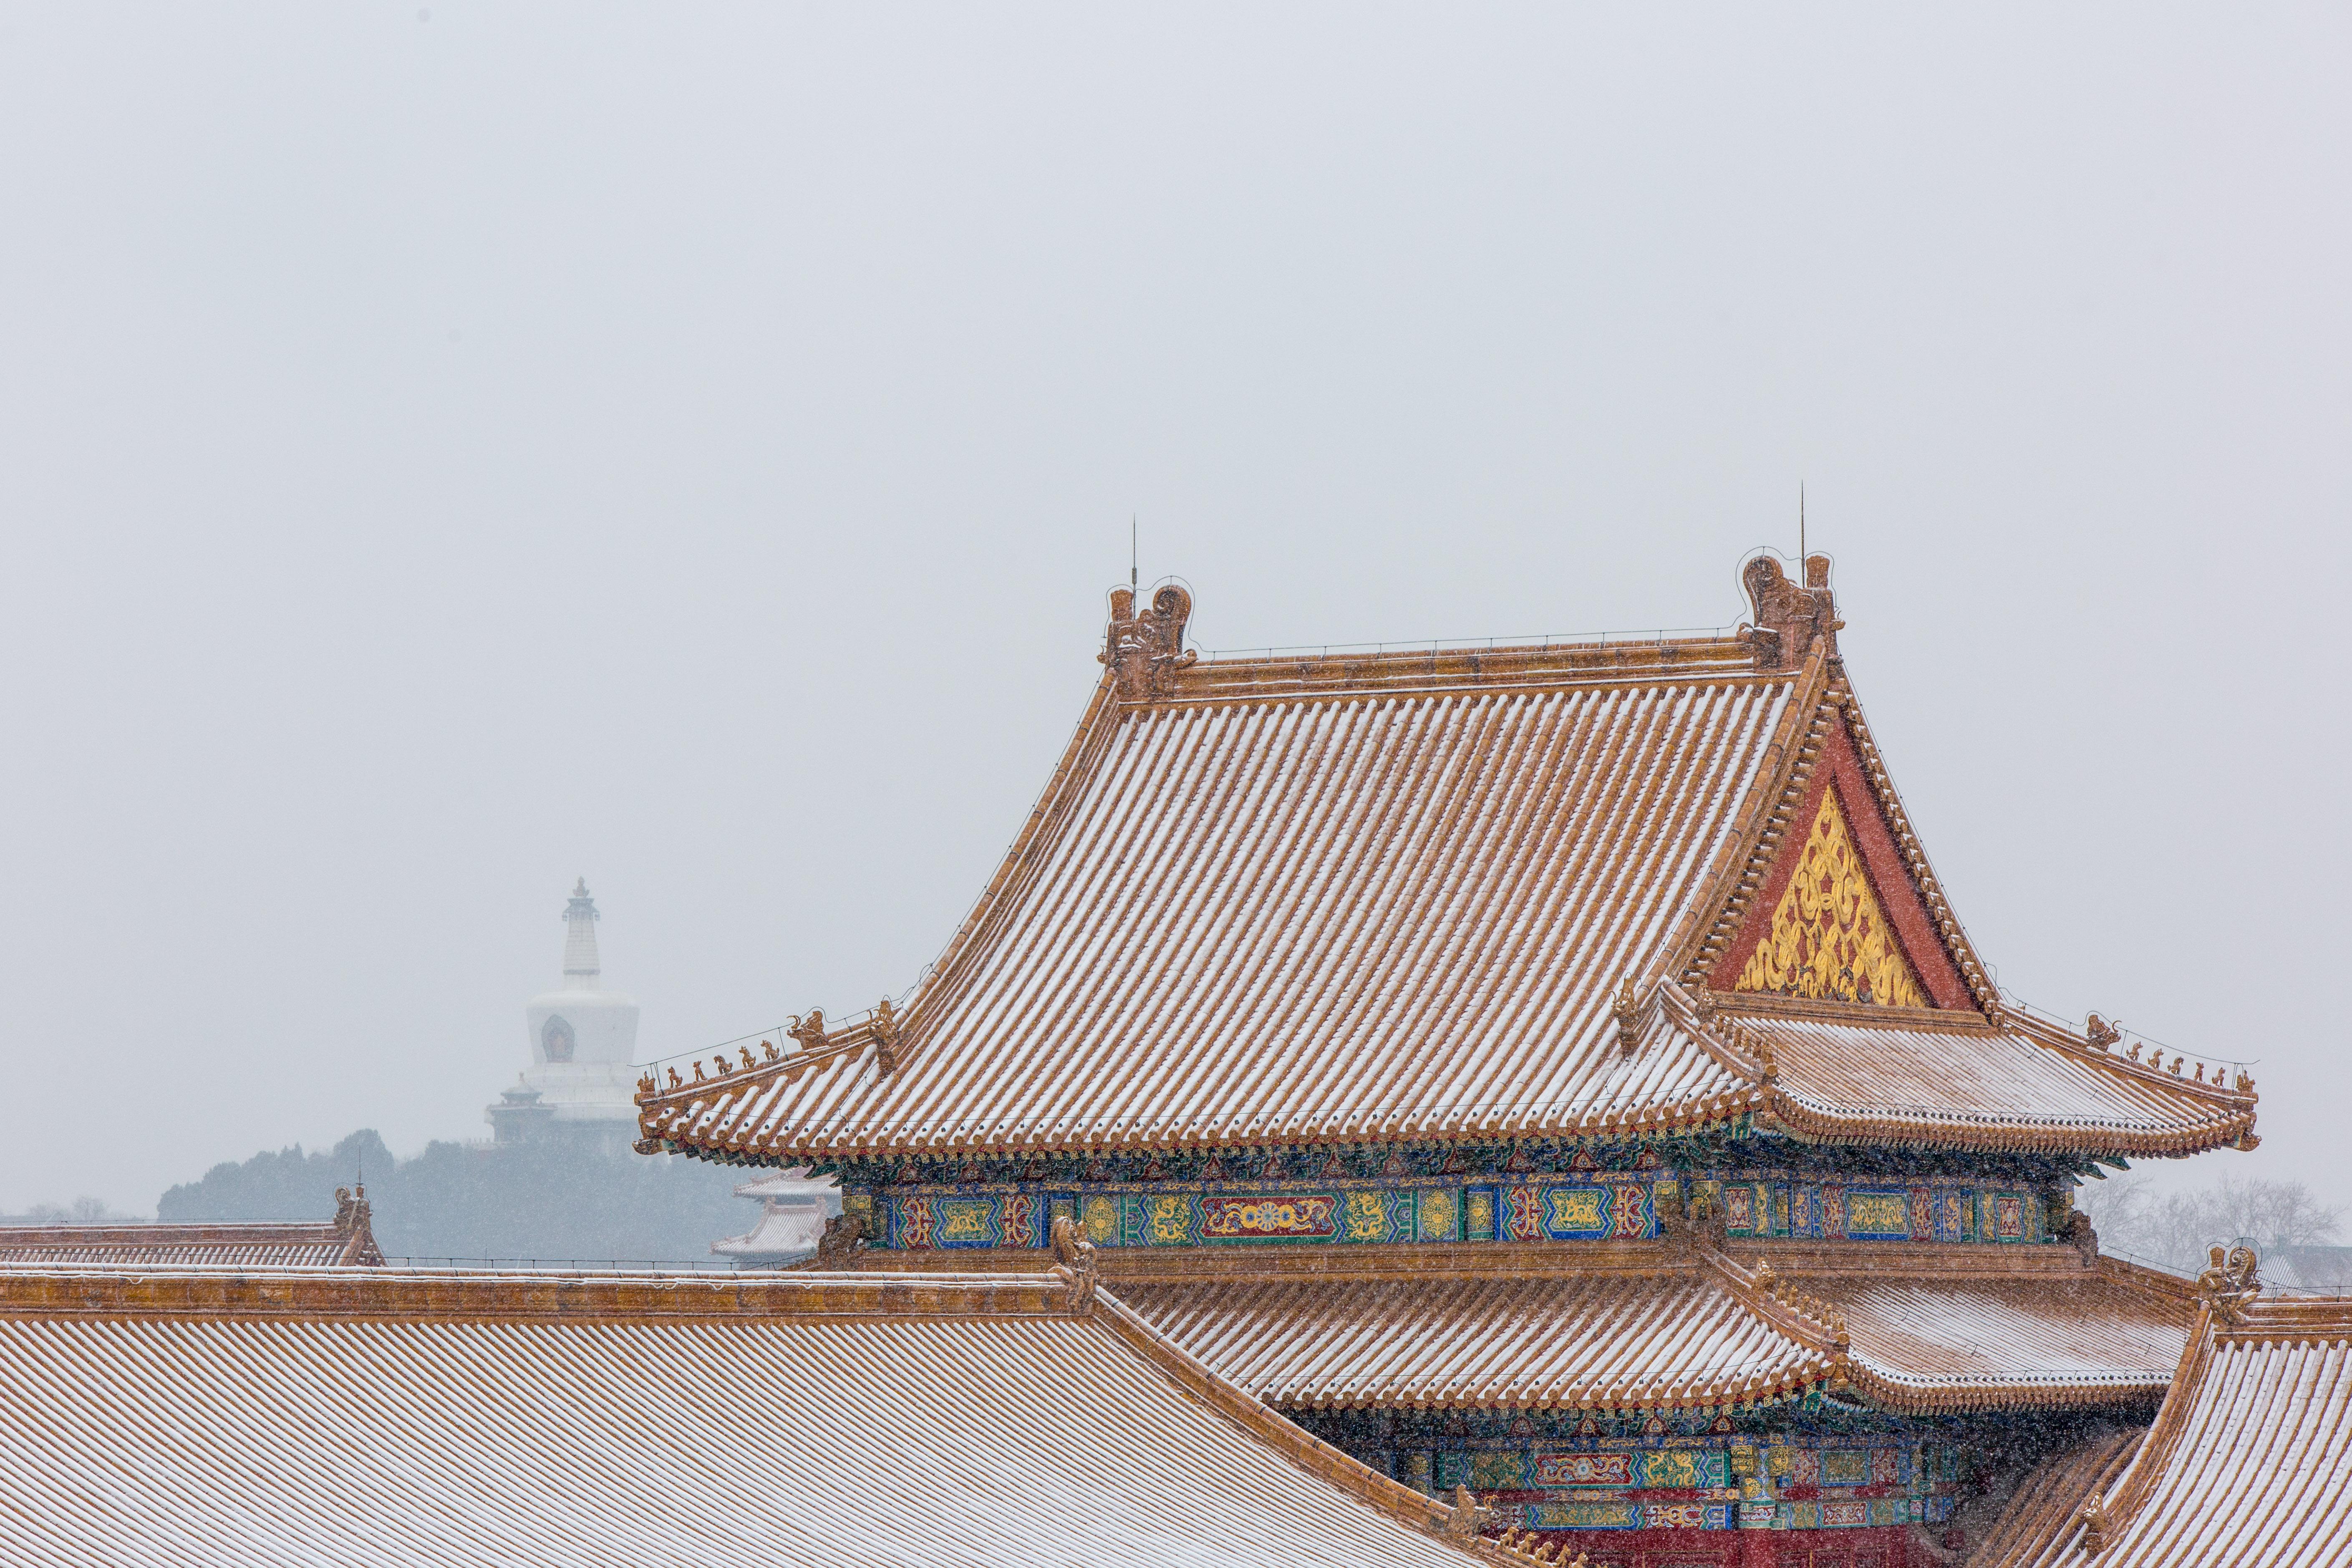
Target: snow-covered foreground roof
<point x="2249" y="1462"/>
<point x="1487" y="893"/>
<point x="319" y="1417"/>
<point x="1631" y="1328"/>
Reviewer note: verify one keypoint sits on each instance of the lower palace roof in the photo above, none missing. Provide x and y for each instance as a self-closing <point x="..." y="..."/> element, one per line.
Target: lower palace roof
<point x="1623" y="1329"/>
<point x="347" y="1240"/>
<point x="311" y="1416"/>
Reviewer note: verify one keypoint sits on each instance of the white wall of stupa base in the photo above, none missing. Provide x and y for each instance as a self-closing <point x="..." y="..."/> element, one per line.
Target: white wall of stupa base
<point x="582" y="1037"/>
<point x="587" y="1091"/>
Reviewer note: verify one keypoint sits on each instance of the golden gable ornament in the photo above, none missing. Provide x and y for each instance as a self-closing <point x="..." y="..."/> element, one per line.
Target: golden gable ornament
<point x="1830" y="939"/>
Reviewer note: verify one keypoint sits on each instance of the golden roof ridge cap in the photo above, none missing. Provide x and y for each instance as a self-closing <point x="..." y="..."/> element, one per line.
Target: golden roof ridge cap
<point x="2112" y="1508"/>
<point x="328" y="1290"/>
<point x="1813" y="1324"/>
<point x="1774" y="796"/>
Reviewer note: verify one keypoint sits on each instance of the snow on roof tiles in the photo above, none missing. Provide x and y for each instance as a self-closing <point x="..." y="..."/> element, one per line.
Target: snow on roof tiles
<point x="1344" y="898"/>
<point x="1643" y="1343"/>
<point x="2249" y="1461"/>
<point x="1927" y="1080"/>
<point x="1639" y="1329"/>
<point x="2049" y="1338"/>
<point x="309" y="1418"/>
<point x="2048" y="1497"/>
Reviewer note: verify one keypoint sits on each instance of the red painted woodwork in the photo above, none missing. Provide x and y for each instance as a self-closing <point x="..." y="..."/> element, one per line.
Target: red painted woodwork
<point x="1878" y="1546"/>
<point x="1837" y="768"/>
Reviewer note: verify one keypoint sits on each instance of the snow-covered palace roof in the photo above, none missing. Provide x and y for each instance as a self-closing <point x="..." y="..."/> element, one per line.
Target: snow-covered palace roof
<point x="2249" y="1460"/>
<point x="345" y="1417"/>
<point x="1688" y="1323"/>
<point x="1540" y="891"/>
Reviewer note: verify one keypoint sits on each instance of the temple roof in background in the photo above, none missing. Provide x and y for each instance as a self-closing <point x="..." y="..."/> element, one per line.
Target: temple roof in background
<point x="302" y="1416"/>
<point x="347" y="1240"/>
<point x="1571" y="888"/>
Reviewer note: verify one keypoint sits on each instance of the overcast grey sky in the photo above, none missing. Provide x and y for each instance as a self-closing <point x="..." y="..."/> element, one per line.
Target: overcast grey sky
<point x="443" y="455"/>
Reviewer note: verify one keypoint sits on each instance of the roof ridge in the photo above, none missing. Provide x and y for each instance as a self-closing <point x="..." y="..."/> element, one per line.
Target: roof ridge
<point x="14" y="1237"/>
<point x="1772" y="800"/>
<point x="1875" y="774"/>
<point x="115" y="1291"/>
<point x="1811" y="1322"/>
<point x="1469" y="669"/>
<point x="2099" y="1517"/>
<point x="1456" y="1524"/>
<point x="1828" y="703"/>
<point x="2050" y="1032"/>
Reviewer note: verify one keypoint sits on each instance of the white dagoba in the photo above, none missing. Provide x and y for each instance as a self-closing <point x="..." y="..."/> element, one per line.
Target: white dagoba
<point x="583" y="1037"/>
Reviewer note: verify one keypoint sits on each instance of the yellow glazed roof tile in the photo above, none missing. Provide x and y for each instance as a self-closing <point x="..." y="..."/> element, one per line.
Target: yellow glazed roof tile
<point x="301" y="1417"/>
<point x="1349" y="897"/>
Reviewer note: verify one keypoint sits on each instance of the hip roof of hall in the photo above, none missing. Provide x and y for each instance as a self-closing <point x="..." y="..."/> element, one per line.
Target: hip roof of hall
<point x="1440" y="894"/>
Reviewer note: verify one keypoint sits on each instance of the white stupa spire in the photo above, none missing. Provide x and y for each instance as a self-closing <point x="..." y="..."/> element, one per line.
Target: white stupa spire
<point x="583" y="1037"/>
<point x="581" y="967"/>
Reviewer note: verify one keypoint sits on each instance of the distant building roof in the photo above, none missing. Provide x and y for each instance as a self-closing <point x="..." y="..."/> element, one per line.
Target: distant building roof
<point x="1470" y="892"/>
<point x="347" y="1240"/>
<point x="791" y="1187"/>
<point x="299" y="1417"/>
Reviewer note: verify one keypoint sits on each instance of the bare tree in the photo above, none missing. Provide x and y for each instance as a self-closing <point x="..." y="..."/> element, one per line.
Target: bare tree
<point x="2281" y="1220"/>
<point x="81" y="1211"/>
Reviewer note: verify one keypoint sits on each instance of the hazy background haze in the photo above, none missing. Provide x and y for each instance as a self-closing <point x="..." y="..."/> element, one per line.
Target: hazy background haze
<point x="442" y="455"/>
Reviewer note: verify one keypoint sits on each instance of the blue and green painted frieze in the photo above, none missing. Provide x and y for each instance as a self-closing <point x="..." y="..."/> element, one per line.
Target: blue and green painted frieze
<point x="1544" y="1470"/>
<point x="1675" y="1477"/>
<point x="1535" y="1206"/>
<point x="1465" y="1160"/>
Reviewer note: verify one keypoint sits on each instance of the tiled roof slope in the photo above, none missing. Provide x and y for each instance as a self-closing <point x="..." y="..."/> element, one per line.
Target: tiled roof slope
<point x="1658" y="1329"/>
<point x="1956" y="1080"/>
<point x="319" y="1418"/>
<point x="346" y="1240"/>
<point x="2070" y="1337"/>
<point x="2049" y="1497"/>
<point x="2249" y="1463"/>
<point x="1343" y="898"/>
<point x="1637" y="1342"/>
